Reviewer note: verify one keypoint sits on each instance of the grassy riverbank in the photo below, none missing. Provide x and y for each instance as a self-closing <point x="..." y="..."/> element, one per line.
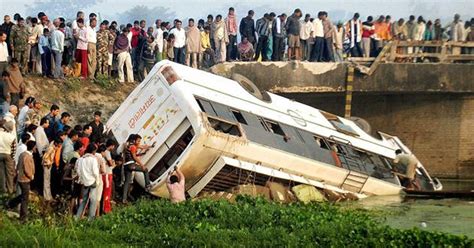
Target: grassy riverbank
<point x="248" y="223"/>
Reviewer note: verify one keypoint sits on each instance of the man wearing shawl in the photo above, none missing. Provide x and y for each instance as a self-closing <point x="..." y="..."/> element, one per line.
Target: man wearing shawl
<point x="354" y="33"/>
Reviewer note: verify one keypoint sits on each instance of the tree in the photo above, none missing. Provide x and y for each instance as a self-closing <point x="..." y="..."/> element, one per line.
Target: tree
<point x="142" y="12"/>
<point x="55" y="8"/>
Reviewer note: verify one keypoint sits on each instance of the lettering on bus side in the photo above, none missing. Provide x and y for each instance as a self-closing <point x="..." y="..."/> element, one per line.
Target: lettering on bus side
<point x="133" y="121"/>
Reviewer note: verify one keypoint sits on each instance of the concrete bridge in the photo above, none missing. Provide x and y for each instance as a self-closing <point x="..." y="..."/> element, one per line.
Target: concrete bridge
<point x="430" y="106"/>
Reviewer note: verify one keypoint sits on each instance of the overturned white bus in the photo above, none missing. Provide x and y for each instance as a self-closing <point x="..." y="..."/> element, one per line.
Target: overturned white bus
<point x="222" y="133"/>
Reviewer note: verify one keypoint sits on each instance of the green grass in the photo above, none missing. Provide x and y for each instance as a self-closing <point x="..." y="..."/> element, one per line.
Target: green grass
<point x="205" y="223"/>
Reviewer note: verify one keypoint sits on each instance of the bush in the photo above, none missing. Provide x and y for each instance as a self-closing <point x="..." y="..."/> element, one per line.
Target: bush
<point x="248" y="223"/>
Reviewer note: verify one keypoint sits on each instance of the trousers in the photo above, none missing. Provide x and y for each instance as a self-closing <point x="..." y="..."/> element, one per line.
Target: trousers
<point x="124" y="59"/>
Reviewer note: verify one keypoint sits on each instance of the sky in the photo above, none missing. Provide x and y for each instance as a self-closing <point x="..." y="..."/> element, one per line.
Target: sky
<point x="338" y="9"/>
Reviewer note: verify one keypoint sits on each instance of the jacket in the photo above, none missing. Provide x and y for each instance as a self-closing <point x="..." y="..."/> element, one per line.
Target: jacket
<point x="26" y="167"/>
<point x="247" y="28"/>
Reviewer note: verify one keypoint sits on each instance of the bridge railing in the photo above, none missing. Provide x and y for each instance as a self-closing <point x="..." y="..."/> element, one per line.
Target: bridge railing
<point x="417" y="52"/>
<point x="433" y="51"/>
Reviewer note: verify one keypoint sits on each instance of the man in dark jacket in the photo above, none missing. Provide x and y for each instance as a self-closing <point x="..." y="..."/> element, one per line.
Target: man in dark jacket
<point x="7" y="28"/>
<point x="247" y="28"/>
<point x="97" y="135"/>
<point x="279" y="35"/>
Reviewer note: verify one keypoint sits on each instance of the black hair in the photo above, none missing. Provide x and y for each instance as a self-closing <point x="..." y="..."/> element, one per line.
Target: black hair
<point x="218" y="16"/>
<point x="43" y="121"/>
<point x="31" y="128"/>
<point x="62" y="20"/>
<point x="87" y="126"/>
<point x="136" y="22"/>
<point x="178" y="21"/>
<point x="251" y="12"/>
<point x="66" y="128"/>
<point x="78" y="128"/>
<point x="65" y="115"/>
<point x="77" y="145"/>
<point x="72" y="133"/>
<point x="25" y="137"/>
<point x="142" y="21"/>
<point x="34" y="20"/>
<point x="110" y="143"/>
<point x="231" y="9"/>
<point x="73" y="161"/>
<point x="370" y="18"/>
<point x="45" y="30"/>
<point x="57" y="141"/>
<point x="102" y="148"/>
<point x="132" y="138"/>
<point x="297" y="11"/>
<point x="79" y="13"/>
<point x="174" y="179"/>
<point x="91" y="148"/>
<point x="13" y="61"/>
<point x="28" y="100"/>
<point x="97" y="113"/>
<point x="80" y="20"/>
<point x="30" y="144"/>
<point x="191" y="20"/>
<point x="210" y="17"/>
<point x="61" y="133"/>
<point x="62" y="25"/>
<point x="5" y="74"/>
<point x="92" y="15"/>
<point x="398" y="151"/>
<point x="54" y="107"/>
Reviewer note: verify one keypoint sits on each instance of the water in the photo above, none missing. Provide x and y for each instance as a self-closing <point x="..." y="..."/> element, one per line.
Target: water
<point x="455" y="216"/>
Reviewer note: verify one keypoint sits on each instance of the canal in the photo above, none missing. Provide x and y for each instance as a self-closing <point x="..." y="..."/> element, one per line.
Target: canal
<point x="455" y="216"/>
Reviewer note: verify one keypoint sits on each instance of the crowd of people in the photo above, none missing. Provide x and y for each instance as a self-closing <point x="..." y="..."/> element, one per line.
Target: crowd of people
<point x="43" y="153"/>
<point x="84" y="47"/>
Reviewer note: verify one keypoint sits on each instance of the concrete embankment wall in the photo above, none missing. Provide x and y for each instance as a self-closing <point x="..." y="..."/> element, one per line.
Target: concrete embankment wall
<point x="285" y="77"/>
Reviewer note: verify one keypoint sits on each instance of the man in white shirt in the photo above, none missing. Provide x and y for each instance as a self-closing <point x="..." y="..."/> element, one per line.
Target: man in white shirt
<point x="74" y="25"/>
<point x="4" y="55"/>
<point x="7" y="166"/>
<point x="92" y="47"/>
<point x="21" y="147"/>
<point x="89" y="176"/>
<point x="159" y="40"/>
<point x="42" y="142"/>
<point x="306" y="33"/>
<point x="318" y="35"/>
<point x="57" y="46"/>
<point x="81" y="48"/>
<point x="179" y="42"/>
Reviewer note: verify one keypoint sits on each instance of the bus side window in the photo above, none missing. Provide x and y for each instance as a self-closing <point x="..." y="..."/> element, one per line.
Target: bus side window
<point x="206" y="107"/>
<point x="321" y="143"/>
<point x="272" y="126"/>
<point x="238" y="116"/>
